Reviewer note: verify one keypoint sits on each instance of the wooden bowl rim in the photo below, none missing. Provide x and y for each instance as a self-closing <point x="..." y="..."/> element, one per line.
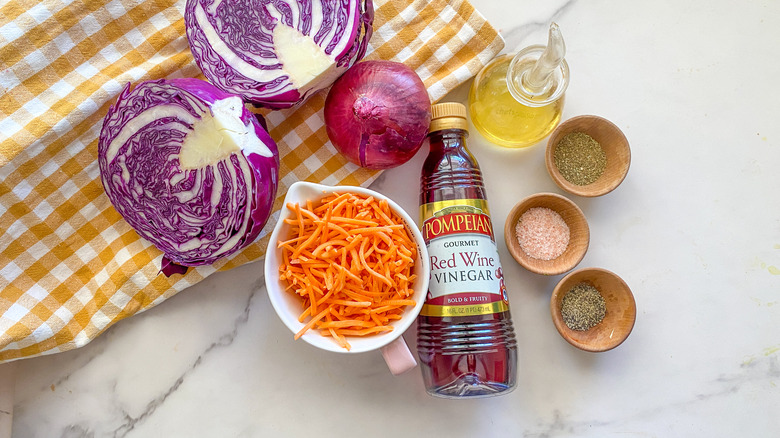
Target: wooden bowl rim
<point x="591" y="190"/>
<point x="554" y="266"/>
<point x="584" y="274"/>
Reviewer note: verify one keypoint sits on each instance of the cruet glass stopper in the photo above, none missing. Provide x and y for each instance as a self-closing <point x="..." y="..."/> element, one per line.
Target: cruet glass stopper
<point x="538" y="78"/>
<point x="539" y="75"/>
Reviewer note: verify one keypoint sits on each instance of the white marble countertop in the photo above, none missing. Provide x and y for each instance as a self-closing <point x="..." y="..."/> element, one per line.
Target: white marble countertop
<point x="694" y="230"/>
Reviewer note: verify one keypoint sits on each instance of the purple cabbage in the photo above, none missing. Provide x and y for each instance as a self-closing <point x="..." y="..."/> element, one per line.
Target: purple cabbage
<point x="189" y="168"/>
<point x="258" y="48"/>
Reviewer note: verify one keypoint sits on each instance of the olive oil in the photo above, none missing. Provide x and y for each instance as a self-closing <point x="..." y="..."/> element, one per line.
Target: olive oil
<point x="500" y="118"/>
<point x="517" y="100"/>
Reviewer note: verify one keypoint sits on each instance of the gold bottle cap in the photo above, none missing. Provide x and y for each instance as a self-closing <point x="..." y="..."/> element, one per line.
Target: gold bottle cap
<point x="448" y="115"/>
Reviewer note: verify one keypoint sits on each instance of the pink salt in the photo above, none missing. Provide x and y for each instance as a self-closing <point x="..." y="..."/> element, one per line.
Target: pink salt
<point x="542" y="233"/>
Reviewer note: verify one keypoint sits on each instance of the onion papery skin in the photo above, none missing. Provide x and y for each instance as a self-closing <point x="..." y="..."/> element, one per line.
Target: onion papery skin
<point x="233" y="43"/>
<point x="195" y="216"/>
<point x="377" y="114"/>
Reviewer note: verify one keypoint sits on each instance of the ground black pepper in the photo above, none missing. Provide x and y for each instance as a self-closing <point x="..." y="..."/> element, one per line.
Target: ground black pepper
<point x="583" y="307"/>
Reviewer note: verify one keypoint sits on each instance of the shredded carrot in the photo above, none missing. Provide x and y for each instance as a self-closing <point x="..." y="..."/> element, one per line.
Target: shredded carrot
<point x="350" y="259"/>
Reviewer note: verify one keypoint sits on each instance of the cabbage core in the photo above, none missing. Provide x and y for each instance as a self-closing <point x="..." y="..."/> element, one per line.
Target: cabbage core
<point x="218" y="134"/>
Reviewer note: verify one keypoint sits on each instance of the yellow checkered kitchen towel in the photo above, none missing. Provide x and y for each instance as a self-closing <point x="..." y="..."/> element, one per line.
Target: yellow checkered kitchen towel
<point x="70" y="266"/>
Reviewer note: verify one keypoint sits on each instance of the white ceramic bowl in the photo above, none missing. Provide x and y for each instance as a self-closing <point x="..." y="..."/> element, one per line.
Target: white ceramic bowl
<point x="288" y="305"/>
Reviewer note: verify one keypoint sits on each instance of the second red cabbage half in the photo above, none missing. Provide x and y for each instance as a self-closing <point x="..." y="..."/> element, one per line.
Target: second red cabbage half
<point x="276" y="53"/>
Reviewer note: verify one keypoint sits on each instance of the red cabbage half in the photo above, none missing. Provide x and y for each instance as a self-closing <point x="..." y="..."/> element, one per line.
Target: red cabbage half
<point x="275" y="53"/>
<point x="189" y="168"/>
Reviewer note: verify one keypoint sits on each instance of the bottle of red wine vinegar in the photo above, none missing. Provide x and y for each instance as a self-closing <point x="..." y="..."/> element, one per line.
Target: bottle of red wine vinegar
<point x="465" y="338"/>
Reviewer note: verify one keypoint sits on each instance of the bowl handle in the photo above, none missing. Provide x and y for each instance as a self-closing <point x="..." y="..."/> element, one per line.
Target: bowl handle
<point x="398" y="356"/>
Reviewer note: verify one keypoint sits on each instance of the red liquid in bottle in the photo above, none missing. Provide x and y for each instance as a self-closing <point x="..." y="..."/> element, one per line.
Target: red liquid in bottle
<point x="465" y="337"/>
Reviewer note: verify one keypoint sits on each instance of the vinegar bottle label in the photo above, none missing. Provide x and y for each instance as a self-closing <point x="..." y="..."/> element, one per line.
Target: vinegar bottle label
<point x="466" y="276"/>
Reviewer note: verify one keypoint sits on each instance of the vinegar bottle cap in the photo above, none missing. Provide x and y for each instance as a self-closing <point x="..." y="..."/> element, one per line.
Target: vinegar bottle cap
<point x="448" y="115"/>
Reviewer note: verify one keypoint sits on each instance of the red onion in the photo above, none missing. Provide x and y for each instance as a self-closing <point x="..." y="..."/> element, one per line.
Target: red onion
<point x="377" y="114"/>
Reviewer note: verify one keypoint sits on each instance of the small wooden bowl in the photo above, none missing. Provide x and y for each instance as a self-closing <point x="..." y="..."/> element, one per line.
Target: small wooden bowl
<point x="579" y="234"/>
<point x="618" y="321"/>
<point x="611" y="139"/>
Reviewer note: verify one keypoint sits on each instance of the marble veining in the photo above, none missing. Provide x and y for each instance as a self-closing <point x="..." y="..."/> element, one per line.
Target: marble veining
<point x="515" y="35"/>
<point x="224" y="341"/>
<point x="761" y="372"/>
<point x="114" y="393"/>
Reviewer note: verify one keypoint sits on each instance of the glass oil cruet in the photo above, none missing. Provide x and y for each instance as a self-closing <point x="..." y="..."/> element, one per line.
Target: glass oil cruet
<point x="517" y="100"/>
